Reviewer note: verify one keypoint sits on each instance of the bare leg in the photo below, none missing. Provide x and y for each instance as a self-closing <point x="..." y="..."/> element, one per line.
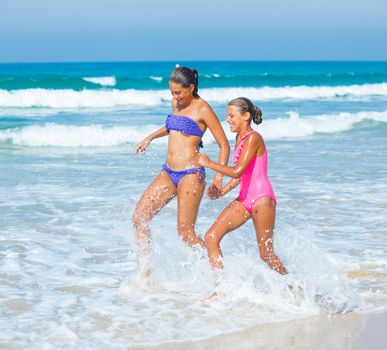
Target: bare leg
<point x="155" y="197"/>
<point x="189" y="194"/>
<point x="232" y="217"/>
<point x="263" y="215"/>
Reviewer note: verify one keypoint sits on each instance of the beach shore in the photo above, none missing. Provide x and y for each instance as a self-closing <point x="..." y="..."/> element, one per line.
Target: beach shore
<point x="353" y="331"/>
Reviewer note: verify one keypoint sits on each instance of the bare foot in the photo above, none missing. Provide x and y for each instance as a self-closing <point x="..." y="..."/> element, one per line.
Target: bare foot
<point x="137" y="284"/>
<point x="142" y="281"/>
<point x="211" y="297"/>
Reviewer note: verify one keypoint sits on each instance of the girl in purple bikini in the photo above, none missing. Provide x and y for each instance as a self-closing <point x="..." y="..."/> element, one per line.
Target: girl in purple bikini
<point x="181" y="174"/>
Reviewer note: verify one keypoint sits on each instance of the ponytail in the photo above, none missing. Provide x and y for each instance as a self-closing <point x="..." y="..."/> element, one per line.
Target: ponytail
<point x="245" y="105"/>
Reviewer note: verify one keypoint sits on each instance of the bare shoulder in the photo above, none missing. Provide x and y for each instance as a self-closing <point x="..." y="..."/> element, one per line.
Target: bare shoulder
<point x="255" y="138"/>
<point x="205" y="111"/>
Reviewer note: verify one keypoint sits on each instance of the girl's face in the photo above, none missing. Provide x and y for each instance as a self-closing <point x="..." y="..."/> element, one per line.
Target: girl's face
<point x="180" y="94"/>
<point x="235" y="119"/>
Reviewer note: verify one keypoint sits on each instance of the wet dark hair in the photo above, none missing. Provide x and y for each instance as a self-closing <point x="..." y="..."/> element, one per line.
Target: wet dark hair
<point x="185" y="77"/>
<point x="245" y="105"/>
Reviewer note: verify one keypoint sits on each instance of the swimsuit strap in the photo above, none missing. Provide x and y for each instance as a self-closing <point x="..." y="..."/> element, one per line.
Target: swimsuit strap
<point x="238" y="150"/>
<point x="243" y="138"/>
<point x="247" y="134"/>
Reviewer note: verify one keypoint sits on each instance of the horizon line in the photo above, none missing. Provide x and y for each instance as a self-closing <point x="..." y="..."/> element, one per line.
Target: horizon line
<point x="200" y="60"/>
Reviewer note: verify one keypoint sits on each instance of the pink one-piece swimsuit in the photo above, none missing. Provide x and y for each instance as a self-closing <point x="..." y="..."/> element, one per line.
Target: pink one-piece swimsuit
<point x="254" y="182"/>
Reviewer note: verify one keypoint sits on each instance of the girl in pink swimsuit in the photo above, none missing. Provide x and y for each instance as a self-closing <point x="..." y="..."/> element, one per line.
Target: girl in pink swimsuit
<point x="256" y="197"/>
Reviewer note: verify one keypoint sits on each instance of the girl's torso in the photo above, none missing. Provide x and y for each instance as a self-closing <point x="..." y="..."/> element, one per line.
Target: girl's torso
<point x="254" y="182"/>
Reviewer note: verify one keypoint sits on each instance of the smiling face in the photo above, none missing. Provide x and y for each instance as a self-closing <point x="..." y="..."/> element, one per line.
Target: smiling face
<point x="180" y="94"/>
<point x="235" y="119"/>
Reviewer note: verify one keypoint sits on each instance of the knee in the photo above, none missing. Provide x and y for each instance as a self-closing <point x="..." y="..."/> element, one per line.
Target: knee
<point x="211" y="239"/>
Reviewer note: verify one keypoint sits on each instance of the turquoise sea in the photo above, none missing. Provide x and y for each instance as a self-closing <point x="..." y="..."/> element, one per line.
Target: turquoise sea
<point x="69" y="182"/>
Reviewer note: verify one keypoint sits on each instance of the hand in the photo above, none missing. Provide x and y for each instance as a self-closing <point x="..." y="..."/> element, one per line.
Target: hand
<point x="203" y="159"/>
<point x="218" y="179"/>
<point x="213" y="192"/>
<point x="142" y="146"/>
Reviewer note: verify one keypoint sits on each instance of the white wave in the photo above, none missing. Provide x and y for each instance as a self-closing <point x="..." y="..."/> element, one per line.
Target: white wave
<point x="292" y="126"/>
<point x="156" y="78"/>
<point x="295" y="92"/>
<point x="214" y="75"/>
<point x="59" y="135"/>
<point x="67" y="98"/>
<point x="295" y="126"/>
<point x="104" y="81"/>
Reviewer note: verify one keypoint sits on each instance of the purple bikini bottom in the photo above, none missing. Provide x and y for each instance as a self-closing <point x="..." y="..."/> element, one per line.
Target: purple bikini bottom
<point x="177" y="175"/>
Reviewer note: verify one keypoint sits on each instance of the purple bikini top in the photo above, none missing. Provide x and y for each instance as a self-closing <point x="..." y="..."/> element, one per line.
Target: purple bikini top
<point x="183" y="124"/>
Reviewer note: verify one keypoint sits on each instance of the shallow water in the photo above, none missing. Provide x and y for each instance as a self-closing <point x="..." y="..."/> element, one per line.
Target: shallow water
<point x="69" y="181"/>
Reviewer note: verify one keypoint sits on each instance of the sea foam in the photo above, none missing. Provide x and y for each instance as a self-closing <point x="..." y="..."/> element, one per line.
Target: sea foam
<point x="296" y="126"/>
<point x="155" y="78"/>
<point x="291" y="126"/>
<point x="110" y="98"/>
<point x="104" y="81"/>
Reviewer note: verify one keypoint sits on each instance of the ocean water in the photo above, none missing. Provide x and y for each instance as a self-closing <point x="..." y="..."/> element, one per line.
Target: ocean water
<point x="69" y="182"/>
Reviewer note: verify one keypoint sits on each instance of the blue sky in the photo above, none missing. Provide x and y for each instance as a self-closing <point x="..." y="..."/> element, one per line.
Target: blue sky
<point x="126" y="30"/>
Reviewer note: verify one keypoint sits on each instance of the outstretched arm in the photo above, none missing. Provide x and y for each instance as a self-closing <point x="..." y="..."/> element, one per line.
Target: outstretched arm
<point x="141" y="147"/>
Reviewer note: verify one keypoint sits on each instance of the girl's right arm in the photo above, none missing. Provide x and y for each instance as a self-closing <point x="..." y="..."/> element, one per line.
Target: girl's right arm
<point x="229" y="186"/>
<point x="251" y="145"/>
<point x="141" y="147"/>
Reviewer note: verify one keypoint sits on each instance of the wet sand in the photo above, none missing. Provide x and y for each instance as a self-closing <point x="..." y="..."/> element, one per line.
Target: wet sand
<point x="354" y="331"/>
